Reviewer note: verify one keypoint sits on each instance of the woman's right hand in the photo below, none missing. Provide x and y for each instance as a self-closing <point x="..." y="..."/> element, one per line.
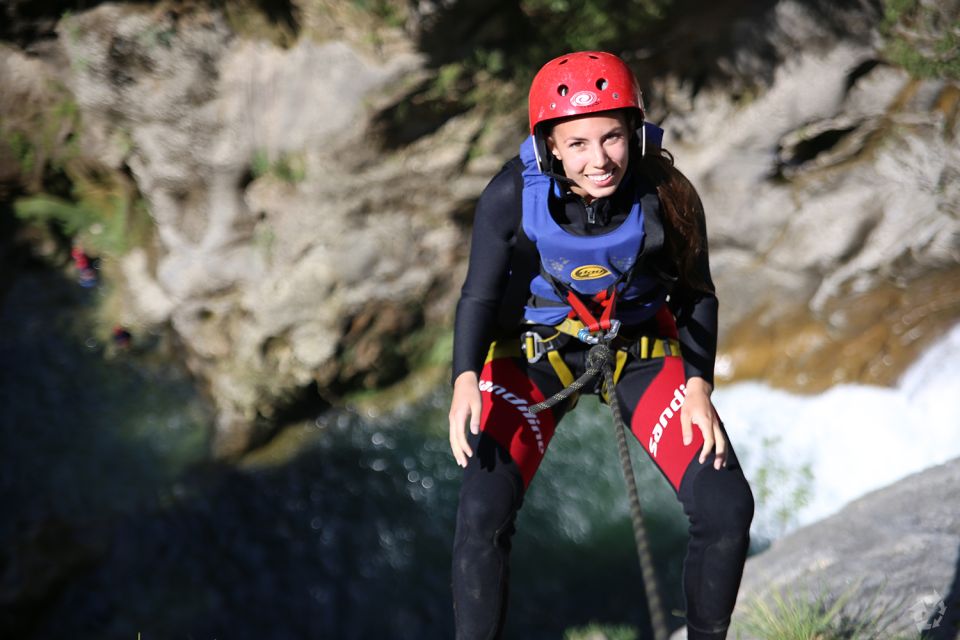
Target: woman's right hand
<point x="466" y="405"/>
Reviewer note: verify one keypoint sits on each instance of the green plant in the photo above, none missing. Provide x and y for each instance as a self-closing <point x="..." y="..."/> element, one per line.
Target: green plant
<point x="42" y="137"/>
<point x="290" y="168"/>
<point x="105" y="211"/>
<point x="923" y="37"/>
<point x="591" y="24"/>
<point x="23" y="150"/>
<point x="83" y="198"/>
<point x="253" y="20"/>
<point x="73" y="29"/>
<point x="780" y="490"/>
<point x="596" y="631"/>
<point x="804" y="616"/>
<point x="390" y="12"/>
<point x="161" y="35"/>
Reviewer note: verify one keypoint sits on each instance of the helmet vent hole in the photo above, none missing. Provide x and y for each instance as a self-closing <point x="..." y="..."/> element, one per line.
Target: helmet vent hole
<point x="602" y="84"/>
<point x="593" y="57"/>
<point x="564" y="61"/>
<point x="563" y="90"/>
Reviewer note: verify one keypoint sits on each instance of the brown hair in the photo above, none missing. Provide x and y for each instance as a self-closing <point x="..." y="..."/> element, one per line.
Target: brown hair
<point x="682" y="214"/>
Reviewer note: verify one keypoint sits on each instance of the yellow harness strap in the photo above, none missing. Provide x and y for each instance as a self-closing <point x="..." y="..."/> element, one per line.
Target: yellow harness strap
<point x="563" y="371"/>
<point x="512" y="350"/>
<point x="621" y="363"/>
<point x="647" y="348"/>
<point x="570" y="327"/>
<point x="498" y="350"/>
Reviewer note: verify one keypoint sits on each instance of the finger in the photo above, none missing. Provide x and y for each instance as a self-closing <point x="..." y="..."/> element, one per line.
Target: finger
<point x="721" y="458"/>
<point x="707" y="439"/>
<point x="454" y="444"/>
<point x="475" y="409"/>
<point x="464" y="445"/>
<point x="686" y="427"/>
<point x="462" y="435"/>
<point x="458" y="439"/>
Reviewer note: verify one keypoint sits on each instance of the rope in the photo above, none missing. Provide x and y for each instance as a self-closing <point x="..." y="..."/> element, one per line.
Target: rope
<point x="657" y="620"/>
<point x="597" y="357"/>
<point x="599" y="362"/>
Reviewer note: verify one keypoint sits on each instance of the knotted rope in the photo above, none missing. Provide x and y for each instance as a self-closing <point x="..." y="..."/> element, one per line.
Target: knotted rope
<point x="600" y="362"/>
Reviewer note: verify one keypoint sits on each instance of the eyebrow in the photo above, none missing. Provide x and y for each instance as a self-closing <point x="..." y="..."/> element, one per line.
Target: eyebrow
<point x="617" y="129"/>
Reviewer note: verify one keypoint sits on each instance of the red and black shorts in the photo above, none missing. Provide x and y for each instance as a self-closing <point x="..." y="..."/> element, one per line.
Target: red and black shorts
<point x="650" y="390"/>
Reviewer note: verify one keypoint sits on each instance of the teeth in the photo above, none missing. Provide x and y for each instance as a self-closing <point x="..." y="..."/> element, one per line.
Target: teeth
<point x="601" y="177"/>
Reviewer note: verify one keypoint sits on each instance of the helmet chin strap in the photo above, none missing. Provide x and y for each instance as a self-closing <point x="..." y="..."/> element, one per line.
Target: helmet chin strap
<point x="643" y="141"/>
<point x="562" y="179"/>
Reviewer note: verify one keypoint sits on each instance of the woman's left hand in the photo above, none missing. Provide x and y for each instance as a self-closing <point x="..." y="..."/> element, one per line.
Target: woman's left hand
<point x="698" y="410"/>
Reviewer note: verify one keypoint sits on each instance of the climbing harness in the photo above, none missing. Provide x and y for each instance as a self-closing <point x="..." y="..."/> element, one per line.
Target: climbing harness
<point x="600" y="362"/>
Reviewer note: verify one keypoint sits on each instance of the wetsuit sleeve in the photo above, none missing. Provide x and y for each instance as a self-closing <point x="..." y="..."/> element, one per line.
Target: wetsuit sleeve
<point x="695" y="309"/>
<point x="495" y="225"/>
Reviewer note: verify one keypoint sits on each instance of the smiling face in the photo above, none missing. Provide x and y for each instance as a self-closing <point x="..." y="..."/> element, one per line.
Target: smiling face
<point x="594" y="151"/>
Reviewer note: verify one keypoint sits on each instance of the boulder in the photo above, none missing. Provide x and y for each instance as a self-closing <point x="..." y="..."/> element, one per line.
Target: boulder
<point x="893" y="556"/>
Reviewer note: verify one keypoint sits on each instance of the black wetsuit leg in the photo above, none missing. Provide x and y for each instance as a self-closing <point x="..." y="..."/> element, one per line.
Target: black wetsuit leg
<point x="719" y="504"/>
<point x="507" y="452"/>
<point x="490" y="496"/>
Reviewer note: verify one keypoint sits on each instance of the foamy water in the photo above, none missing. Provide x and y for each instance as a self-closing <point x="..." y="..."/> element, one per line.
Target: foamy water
<point x="843" y="443"/>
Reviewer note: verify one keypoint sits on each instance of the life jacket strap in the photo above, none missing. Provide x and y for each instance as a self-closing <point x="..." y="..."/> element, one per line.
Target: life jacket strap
<point x="607" y="301"/>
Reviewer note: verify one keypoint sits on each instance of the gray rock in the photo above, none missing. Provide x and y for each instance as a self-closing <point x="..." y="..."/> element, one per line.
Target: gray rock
<point x="892" y="553"/>
<point x="260" y="278"/>
<point x="840" y="217"/>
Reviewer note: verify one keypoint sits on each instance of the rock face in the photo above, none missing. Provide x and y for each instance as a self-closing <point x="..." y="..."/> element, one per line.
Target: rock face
<point x="896" y="551"/>
<point x="292" y="252"/>
<point x="302" y="245"/>
<point x="832" y="199"/>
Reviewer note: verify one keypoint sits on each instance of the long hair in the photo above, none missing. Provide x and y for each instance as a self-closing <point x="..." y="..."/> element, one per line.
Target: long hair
<point x="682" y="213"/>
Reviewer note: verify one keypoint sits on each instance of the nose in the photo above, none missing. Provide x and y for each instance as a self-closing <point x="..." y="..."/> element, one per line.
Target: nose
<point x="600" y="156"/>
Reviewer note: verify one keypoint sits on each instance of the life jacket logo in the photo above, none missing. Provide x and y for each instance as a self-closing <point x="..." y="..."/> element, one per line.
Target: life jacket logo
<point x="589" y="272"/>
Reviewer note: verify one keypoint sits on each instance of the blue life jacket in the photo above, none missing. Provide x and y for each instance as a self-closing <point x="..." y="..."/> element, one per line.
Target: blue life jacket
<point x="585" y="264"/>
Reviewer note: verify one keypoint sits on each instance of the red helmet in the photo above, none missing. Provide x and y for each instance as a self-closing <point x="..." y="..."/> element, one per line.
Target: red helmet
<point x="578" y="84"/>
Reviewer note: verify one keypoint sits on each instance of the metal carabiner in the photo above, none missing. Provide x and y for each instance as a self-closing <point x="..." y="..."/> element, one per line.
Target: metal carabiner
<point x="587" y="337"/>
<point x="532" y="346"/>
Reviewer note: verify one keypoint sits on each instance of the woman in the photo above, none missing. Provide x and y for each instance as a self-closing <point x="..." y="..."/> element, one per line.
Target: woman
<point x="590" y="234"/>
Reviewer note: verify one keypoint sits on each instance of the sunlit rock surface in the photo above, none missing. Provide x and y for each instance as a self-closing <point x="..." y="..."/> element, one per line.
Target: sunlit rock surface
<point x="312" y="218"/>
<point x="831" y="197"/>
<point x="292" y="251"/>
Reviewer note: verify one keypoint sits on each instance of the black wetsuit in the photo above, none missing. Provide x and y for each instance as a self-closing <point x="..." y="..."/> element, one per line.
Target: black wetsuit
<point x="502" y="263"/>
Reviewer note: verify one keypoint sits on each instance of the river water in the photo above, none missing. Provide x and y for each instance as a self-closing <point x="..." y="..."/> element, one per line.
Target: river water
<point x="119" y="525"/>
